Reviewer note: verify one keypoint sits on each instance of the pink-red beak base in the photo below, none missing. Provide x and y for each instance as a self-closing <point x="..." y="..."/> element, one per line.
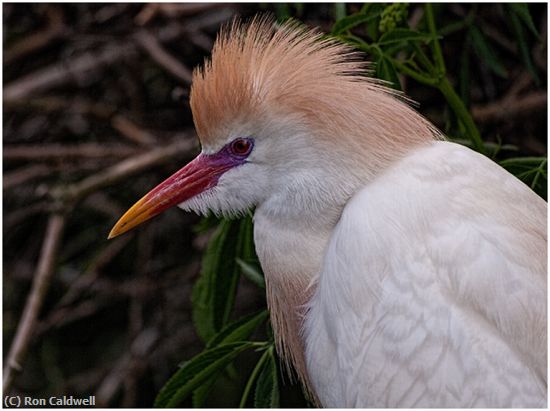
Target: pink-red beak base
<point x="196" y="177"/>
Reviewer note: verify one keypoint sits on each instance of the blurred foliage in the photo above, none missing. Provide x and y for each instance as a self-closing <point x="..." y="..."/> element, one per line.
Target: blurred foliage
<point x="214" y="292"/>
<point x="230" y="253"/>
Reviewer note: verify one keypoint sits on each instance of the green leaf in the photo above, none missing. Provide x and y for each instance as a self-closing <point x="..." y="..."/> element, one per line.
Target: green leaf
<point x="246" y="246"/>
<point x="533" y="171"/>
<point x="524" y="51"/>
<point x="267" y="387"/>
<point x="528" y="162"/>
<point x="522" y="11"/>
<point x="206" y="223"/>
<point x="197" y="371"/>
<point x="491" y="148"/>
<point x="239" y="330"/>
<point x="349" y="22"/>
<point x="253" y="375"/>
<point x="282" y="11"/>
<point x="358" y="43"/>
<point x="339" y="11"/>
<point x="455" y="26"/>
<point x="214" y="292"/>
<point x="485" y="52"/>
<point x="386" y="71"/>
<point x="201" y="394"/>
<point x="403" y="35"/>
<point x="464" y="74"/>
<point x="253" y="272"/>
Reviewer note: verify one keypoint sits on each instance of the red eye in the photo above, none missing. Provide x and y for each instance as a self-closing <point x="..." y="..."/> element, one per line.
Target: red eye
<point x="241" y="146"/>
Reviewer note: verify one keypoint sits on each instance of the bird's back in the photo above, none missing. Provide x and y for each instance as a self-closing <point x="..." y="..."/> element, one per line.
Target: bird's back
<point x="433" y="290"/>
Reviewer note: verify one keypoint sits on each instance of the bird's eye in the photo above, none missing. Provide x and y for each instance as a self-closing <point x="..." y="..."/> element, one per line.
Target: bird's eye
<point x="241" y="146"/>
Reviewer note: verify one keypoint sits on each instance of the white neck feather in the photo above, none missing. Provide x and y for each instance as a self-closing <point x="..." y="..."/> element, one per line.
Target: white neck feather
<point x="291" y="231"/>
<point x="292" y="228"/>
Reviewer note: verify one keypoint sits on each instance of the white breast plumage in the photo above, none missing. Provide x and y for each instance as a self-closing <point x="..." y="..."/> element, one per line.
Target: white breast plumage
<point x="432" y="290"/>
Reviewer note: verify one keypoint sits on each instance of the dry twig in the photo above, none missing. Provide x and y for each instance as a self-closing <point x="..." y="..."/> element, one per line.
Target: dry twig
<point x="131" y="131"/>
<point x="24" y="174"/>
<point x="124" y="169"/>
<point x="61" y="73"/>
<point x="508" y="108"/>
<point x="15" y="218"/>
<point x="40" y="39"/>
<point x="40" y="285"/>
<point x="102" y="111"/>
<point x="150" y="44"/>
<point x="66" y="198"/>
<point x="171" y="10"/>
<point x="141" y="346"/>
<point x="56" y="151"/>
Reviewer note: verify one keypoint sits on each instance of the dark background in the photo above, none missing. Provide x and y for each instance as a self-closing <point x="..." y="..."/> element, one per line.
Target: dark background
<point x="88" y="87"/>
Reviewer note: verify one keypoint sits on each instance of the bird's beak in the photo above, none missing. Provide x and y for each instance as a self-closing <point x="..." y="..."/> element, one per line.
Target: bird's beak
<point x="197" y="176"/>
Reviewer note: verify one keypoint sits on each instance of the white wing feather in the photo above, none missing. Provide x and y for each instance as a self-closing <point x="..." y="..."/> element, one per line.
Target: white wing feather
<point x="433" y="290"/>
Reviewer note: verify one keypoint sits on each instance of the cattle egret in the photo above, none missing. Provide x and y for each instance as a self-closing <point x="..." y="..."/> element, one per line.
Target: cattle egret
<point x="402" y="270"/>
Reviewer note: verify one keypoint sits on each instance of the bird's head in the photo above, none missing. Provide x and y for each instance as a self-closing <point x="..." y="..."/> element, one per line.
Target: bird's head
<point x="282" y="112"/>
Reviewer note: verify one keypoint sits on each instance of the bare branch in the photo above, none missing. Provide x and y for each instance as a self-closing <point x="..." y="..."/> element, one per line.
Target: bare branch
<point x="147" y="13"/>
<point x="66" y="315"/>
<point x="124" y="169"/>
<point x="15" y="218"/>
<point x="141" y="347"/>
<point x="131" y="131"/>
<point x="102" y="111"/>
<point x="56" y="151"/>
<point x="40" y="39"/>
<point x="45" y="268"/>
<point x="61" y="73"/>
<point x="85" y="281"/>
<point x="24" y="174"/>
<point x="172" y="10"/>
<point x="55" y="104"/>
<point x="41" y="283"/>
<point x="150" y="44"/>
<point x="507" y="108"/>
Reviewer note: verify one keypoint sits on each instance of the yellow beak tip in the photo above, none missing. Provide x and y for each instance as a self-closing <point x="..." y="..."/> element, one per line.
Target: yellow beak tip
<point x="133" y="217"/>
<point x="119" y="228"/>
